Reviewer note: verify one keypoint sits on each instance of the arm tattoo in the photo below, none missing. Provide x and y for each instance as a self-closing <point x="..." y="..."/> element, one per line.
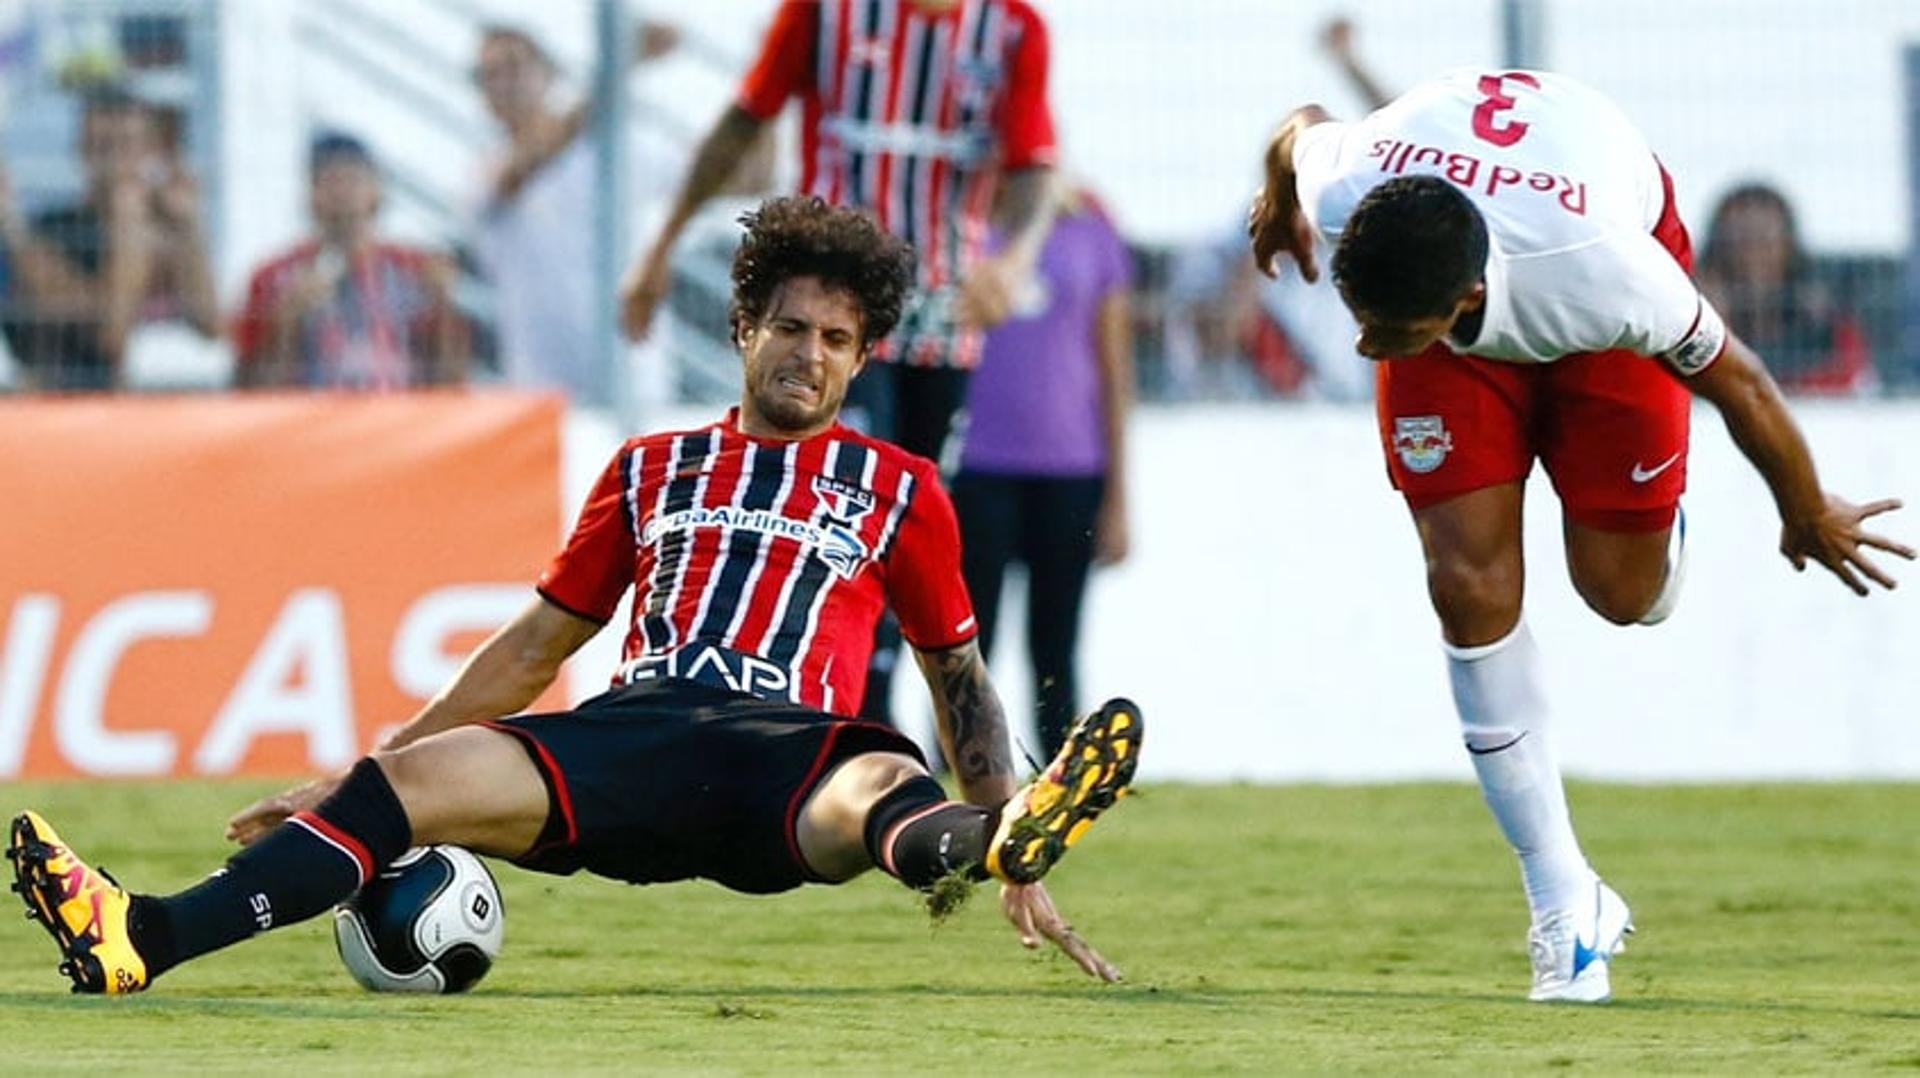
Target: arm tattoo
<point x="973" y="725"/>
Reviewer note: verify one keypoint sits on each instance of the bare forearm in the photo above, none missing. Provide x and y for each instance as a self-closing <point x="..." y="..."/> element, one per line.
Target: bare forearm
<point x="1762" y="427"/>
<point x="1363" y="82"/>
<point x="714" y="164"/>
<point x="1279" y="158"/>
<point x="128" y="270"/>
<point x="504" y="674"/>
<point x="57" y="289"/>
<point x="972" y="723"/>
<point x="1116" y="385"/>
<point x="1027" y="208"/>
<point x="497" y="680"/>
<point x="451" y="343"/>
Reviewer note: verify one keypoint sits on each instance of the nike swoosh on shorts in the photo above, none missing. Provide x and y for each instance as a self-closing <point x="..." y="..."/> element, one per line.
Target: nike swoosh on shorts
<point x="1641" y="474"/>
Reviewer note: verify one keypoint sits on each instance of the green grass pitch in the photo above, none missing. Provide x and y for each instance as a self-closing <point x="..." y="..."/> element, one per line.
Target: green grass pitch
<point x="1261" y="928"/>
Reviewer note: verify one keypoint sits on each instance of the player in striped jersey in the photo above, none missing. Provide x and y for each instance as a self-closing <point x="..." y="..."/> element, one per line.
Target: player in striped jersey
<point x="1510" y="248"/>
<point x="913" y="110"/>
<point x="761" y="550"/>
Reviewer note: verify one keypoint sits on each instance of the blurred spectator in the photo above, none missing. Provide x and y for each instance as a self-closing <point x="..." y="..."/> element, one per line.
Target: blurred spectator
<point x="1755" y="271"/>
<point x="1043" y="475"/>
<point x="527" y="235"/>
<point x="1233" y="333"/>
<point x="1336" y="39"/>
<point x="345" y="309"/>
<point x="529" y="238"/>
<point x="132" y="250"/>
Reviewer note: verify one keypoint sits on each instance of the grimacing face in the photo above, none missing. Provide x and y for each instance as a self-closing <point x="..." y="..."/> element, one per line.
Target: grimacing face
<point x="799" y="358"/>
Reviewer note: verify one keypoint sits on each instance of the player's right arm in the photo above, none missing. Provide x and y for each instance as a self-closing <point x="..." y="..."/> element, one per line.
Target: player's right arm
<point x="502" y="676"/>
<point x="1275" y="222"/>
<point x="1814" y="524"/>
<point x="576" y="596"/>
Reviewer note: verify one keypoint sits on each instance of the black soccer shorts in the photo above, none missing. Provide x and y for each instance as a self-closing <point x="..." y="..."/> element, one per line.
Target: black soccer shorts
<point x="668" y="779"/>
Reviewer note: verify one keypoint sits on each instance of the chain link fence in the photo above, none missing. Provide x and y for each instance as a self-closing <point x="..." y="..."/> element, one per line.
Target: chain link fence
<point x="191" y="187"/>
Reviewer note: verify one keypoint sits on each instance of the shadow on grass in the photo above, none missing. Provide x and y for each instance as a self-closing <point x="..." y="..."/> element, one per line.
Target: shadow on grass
<point x="1651" y="1004"/>
<point x="360" y="1005"/>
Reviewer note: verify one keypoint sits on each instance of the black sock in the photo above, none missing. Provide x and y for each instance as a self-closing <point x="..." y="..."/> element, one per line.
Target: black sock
<point x="918" y="836"/>
<point x="299" y="869"/>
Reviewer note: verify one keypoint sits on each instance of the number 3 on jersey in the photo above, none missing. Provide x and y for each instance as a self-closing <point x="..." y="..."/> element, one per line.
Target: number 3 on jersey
<point x="1487" y="124"/>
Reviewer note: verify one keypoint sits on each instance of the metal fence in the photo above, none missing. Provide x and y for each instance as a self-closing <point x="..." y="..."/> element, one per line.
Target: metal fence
<point x="185" y="132"/>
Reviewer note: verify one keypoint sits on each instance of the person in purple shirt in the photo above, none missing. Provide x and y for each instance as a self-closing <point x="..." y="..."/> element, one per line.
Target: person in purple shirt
<point x="1042" y="476"/>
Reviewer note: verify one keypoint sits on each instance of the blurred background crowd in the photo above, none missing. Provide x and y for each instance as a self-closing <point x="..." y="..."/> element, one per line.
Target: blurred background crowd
<point x="377" y="196"/>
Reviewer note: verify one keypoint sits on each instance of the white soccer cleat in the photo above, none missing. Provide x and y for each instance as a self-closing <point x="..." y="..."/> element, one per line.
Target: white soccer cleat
<point x="1573" y="950"/>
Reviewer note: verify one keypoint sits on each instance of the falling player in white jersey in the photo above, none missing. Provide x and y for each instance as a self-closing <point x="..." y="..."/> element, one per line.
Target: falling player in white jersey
<point x="1509" y="242"/>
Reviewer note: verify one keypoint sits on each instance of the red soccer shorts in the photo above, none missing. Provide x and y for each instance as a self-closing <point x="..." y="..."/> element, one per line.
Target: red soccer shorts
<point x="1611" y="428"/>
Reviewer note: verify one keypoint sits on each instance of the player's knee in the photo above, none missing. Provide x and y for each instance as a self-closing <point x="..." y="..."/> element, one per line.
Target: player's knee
<point x="468" y="779"/>
<point x="1621" y="598"/>
<point x="879" y="774"/>
<point x="1471" y="595"/>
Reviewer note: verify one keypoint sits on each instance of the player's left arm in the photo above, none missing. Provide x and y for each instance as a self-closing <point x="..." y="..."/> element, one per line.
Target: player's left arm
<point x="971" y="722"/>
<point x="973" y="731"/>
<point x="1815" y="524"/>
<point x="503" y="675"/>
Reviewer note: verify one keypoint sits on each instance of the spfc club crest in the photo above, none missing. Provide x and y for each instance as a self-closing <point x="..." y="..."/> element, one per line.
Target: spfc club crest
<point x="1422" y="441"/>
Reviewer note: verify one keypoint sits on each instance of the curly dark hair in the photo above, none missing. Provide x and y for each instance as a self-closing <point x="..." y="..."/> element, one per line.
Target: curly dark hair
<point x="801" y="236"/>
<point x="1413" y="246"/>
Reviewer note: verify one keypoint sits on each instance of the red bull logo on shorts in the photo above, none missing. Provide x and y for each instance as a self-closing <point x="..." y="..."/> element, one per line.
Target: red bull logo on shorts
<point x="1423" y="442"/>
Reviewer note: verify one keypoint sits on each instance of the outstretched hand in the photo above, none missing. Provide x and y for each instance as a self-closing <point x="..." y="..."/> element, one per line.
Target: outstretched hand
<point x="253" y="822"/>
<point x="1031" y="910"/>
<point x="1834" y="538"/>
<point x="1276" y="225"/>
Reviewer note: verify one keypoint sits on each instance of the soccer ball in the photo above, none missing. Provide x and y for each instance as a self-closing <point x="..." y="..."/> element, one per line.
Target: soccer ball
<point x="430" y="922"/>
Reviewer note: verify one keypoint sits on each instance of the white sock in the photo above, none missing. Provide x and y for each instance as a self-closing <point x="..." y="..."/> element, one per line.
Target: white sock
<point x="1503" y="717"/>
<point x="1669" y="596"/>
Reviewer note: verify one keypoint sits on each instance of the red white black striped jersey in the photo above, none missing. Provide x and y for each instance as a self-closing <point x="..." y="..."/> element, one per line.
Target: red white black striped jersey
<point x="911" y="113"/>
<point x="763" y="564"/>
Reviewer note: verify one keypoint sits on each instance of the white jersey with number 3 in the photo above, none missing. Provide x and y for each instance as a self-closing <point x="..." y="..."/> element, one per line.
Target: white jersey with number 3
<point x="1570" y="193"/>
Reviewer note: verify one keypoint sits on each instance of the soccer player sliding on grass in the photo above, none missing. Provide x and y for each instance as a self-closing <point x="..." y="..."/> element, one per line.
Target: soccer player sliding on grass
<point x="761" y="549"/>
<point x="1510" y="248"/>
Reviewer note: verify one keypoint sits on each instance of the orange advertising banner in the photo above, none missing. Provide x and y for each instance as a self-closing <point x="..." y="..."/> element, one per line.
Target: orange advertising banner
<point x="254" y="584"/>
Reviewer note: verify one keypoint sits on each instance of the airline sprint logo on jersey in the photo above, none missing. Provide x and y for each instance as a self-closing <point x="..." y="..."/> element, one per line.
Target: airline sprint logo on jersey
<point x="834" y="540"/>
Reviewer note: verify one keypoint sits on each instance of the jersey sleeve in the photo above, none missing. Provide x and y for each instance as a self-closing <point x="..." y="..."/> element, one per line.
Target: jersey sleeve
<point x="1663" y="313"/>
<point x="1026" y="119"/>
<point x="595" y="568"/>
<point x="1316" y="178"/>
<point x="924" y="587"/>
<point x="785" y="64"/>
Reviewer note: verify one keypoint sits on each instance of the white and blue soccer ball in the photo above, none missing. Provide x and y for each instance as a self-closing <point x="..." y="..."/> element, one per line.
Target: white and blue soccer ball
<point x="430" y="922"/>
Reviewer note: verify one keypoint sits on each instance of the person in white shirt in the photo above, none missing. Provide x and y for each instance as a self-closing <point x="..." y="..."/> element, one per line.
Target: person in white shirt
<point x="1508" y="243"/>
